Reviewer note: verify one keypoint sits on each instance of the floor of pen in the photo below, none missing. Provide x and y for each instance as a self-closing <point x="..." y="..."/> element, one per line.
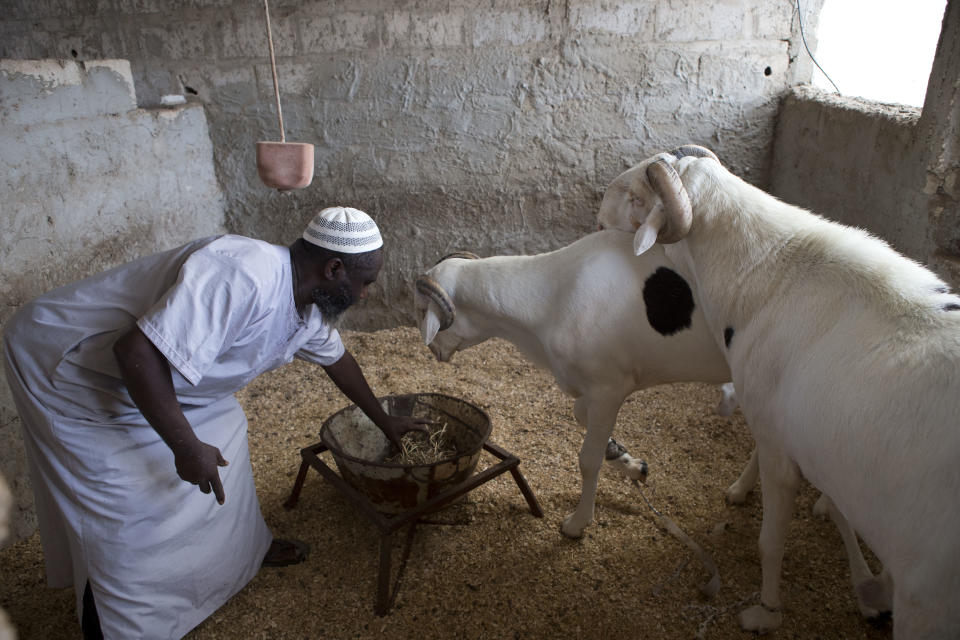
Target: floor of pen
<point x="493" y="570"/>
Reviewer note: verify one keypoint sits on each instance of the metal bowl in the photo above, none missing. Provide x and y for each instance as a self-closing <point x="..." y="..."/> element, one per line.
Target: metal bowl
<point x="359" y="448"/>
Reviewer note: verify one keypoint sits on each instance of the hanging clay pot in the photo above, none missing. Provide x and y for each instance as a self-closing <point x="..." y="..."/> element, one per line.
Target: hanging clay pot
<point x="283" y="165"/>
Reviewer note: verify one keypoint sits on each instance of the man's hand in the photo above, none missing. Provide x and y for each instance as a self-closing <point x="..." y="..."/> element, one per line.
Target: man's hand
<point x="348" y="377"/>
<point x="197" y="464"/>
<point x="146" y="373"/>
<point x="395" y="426"/>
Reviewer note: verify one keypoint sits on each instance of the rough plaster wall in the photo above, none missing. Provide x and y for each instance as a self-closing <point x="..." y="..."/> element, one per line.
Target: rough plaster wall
<point x="87" y="181"/>
<point x="939" y="135"/>
<point x="489" y="126"/>
<point x="853" y="161"/>
<point x="891" y="169"/>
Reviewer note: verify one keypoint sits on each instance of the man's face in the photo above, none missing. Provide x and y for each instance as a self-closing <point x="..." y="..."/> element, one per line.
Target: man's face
<point x="348" y="285"/>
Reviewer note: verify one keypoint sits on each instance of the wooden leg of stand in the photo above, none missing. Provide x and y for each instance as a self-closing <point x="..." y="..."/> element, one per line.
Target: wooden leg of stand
<point x="383" y="577"/>
<point x="297" y="486"/>
<point x="527" y="493"/>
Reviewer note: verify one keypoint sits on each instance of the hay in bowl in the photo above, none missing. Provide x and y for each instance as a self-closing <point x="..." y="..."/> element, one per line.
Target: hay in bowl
<point x="419" y="447"/>
<point x="361" y="451"/>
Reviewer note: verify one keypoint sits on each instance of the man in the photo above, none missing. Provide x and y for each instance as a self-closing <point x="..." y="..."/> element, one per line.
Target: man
<point x="124" y="383"/>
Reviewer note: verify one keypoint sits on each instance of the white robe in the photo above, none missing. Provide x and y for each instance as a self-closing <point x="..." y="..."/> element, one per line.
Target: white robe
<point x="160" y="555"/>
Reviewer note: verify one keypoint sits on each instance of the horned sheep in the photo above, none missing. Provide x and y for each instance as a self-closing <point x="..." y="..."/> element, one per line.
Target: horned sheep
<point x="846" y="360"/>
<point x="572" y="312"/>
<point x="605" y="324"/>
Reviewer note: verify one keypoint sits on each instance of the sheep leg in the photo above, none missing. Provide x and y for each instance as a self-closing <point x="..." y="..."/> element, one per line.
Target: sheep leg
<point x="780" y="479"/>
<point x="737" y="493"/>
<point x="860" y="573"/>
<point x="876" y="592"/>
<point x="625" y="464"/>
<point x="598" y="418"/>
<point x="728" y="400"/>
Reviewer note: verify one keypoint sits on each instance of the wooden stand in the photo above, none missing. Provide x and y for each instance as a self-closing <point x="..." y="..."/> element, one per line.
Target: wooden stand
<point x="387" y="524"/>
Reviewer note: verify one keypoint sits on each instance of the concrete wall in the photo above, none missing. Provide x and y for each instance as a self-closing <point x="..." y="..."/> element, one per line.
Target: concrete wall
<point x="854" y="161"/>
<point x="87" y="181"/>
<point x="890" y="169"/>
<point x="490" y="126"/>
<point x="938" y="134"/>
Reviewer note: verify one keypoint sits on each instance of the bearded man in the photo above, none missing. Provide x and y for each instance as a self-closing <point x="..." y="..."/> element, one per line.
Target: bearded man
<point x="125" y="385"/>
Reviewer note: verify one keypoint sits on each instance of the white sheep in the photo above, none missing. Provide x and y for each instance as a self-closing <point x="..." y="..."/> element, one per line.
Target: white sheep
<point x="506" y="311"/>
<point x="873" y="593"/>
<point x="603" y="322"/>
<point x="846" y="360"/>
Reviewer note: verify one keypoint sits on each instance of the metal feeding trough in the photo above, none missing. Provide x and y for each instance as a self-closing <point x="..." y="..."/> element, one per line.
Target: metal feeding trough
<point x="392" y="495"/>
<point x="359" y="449"/>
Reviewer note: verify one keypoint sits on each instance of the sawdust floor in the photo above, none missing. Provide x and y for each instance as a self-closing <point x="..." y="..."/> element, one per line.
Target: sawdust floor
<point x="496" y="571"/>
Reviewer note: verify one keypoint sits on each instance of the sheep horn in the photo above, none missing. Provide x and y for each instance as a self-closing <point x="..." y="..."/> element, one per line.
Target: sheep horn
<point x="676" y="203"/>
<point x="695" y="151"/>
<point x="432" y="289"/>
<point x="458" y="254"/>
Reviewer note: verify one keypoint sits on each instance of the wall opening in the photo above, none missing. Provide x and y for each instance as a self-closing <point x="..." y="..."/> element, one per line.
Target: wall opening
<point x="878" y="49"/>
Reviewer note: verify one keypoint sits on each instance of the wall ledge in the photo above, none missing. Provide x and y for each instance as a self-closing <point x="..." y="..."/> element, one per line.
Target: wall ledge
<point x="808" y="93"/>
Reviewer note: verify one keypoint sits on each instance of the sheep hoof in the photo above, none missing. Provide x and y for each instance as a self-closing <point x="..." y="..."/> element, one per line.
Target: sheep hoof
<point x="570" y="529"/>
<point x="735" y="495"/>
<point x="759" y="619"/>
<point x="874" y="596"/>
<point x="725" y="409"/>
<point x="867" y="612"/>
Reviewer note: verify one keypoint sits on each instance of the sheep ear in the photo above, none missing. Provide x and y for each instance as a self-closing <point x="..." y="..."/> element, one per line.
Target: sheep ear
<point x="644" y="239"/>
<point x="431" y="324"/>
<point x="647" y="233"/>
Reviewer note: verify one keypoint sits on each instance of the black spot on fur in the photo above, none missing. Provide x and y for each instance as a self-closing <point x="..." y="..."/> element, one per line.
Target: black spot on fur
<point x="941" y="290"/>
<point x="952" y="307"/>
<point x="669" y="301"/>
<point x="727" y="336"/>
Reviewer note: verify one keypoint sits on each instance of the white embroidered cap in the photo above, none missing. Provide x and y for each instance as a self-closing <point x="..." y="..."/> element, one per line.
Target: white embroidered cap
<point x="344" y="230"/>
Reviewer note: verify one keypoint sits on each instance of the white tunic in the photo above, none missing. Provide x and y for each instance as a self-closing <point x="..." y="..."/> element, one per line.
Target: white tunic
<point x="160" y="555"/>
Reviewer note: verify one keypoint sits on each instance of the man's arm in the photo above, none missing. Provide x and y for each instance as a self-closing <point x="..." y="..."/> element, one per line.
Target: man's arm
<point x="349" y="378"/>
<point x="146" y="373"/>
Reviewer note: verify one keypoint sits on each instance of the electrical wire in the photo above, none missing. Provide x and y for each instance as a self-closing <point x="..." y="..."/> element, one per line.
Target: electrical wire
<point x="807" y="47"/>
